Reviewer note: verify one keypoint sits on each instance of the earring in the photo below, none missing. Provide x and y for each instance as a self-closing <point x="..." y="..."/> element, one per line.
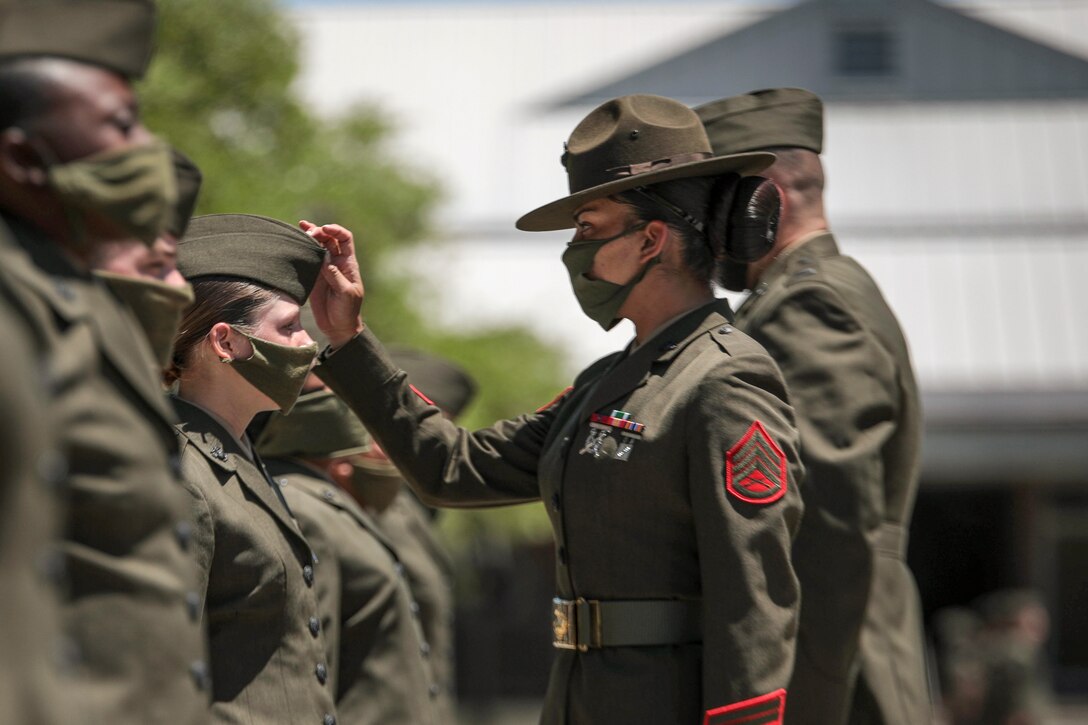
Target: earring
<point x="226" y="360"/>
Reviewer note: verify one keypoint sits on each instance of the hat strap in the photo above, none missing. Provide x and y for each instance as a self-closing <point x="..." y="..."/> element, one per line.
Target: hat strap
<point x="695" y="223"/>
<point x="642" y="168"/>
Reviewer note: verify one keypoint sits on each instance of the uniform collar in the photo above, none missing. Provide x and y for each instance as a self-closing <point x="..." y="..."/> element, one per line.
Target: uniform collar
<point x="291" y="472"/>
<point x="815" y="244"/>
<point x="208" y="435"/>
<point x="634" y="370"/>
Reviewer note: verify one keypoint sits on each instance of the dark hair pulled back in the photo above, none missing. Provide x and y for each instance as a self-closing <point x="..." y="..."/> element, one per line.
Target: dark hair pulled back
<point x="217" y="299"/>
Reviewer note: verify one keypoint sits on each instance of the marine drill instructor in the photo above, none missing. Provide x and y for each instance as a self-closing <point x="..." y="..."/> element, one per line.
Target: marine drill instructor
<point x="669" y="470"/>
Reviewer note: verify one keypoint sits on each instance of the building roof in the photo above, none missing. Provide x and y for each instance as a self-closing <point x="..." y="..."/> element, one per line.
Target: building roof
<point x="860" y="50"/>
<point x="971" y="212"/>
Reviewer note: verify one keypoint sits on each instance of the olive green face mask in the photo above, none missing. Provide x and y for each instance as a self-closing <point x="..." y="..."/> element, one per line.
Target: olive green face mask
<point x="158" y="308"/>
<point x="600" y="300"/>
<point x="278" y="371"/>
<point x="134" y="187"/>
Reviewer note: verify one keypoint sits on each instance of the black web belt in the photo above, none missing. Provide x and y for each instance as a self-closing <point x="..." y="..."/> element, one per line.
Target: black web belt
<point x="583" y="624"/>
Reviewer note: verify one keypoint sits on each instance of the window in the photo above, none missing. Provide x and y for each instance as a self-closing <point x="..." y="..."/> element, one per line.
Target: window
<point x="864" y="52"/>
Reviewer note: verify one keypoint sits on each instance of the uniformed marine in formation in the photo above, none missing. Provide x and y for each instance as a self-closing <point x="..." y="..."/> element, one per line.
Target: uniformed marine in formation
<point x="78" y="170"/>
<point x="379" y="659"/>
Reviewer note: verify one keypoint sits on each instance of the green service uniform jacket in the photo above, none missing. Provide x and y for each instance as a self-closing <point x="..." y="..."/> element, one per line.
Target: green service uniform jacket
<point x="30" y="627"/>
<point x="138" y="648"/>
<point x="670" y="476"/>
<point x="376" y="650"/>
<point x="839" y="346"/>
<point x="256" y="585"/>
<point x="407" y="524"/>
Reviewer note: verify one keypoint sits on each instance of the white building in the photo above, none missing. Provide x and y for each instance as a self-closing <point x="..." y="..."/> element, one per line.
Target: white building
<point x="957" y="160"/>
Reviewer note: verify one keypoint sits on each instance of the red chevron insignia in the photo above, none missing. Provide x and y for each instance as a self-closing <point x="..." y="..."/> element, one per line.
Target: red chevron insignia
<point x="755" y="468"/>
<point x="763" y="710"/>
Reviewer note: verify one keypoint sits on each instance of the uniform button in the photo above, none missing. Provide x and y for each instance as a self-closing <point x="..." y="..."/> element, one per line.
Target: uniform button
<point x="315" y="626"/>
<point x="434" y="689"/>
<point x="64" y="290"/>
<point x="308" y="575"/>
<point x="328" y="720"/>
<point x="555" y="502"/>
<point x="425" y="649"/>
<point x="322" y="672"/>
<point x="199" y="672"/>
<point x="328" y="495"/>
<point x="183" y="532"/>
<point x="413" y="607"/>
<point x="192" y="603"/>
<point x="282" y="482"/>
<point x="399" y="569"/>
<point x="668" y="346"/>
<point x="52" y="468"/>
<point x="724" y="330"/>
<point x="563" y="555"/>
<point x="175" y="465"/>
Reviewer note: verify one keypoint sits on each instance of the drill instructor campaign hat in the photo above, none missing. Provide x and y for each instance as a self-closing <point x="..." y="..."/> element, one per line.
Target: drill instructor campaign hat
<point x="630" y="142"/>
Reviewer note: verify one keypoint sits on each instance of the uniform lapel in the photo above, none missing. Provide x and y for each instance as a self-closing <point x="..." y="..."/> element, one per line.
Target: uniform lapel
<point x="307" y="481"/>
<point x="634" y="370"/>
<point x="222" y="451"/>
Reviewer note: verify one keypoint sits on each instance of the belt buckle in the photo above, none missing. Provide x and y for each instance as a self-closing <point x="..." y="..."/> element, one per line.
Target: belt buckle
<point x="565" y="625"/>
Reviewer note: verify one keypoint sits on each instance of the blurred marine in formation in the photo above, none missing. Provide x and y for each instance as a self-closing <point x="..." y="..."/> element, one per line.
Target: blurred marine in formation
<point x="77" y="171"/>
<point x="860" y="648"/>
<point x="378" y="658"/>
<point x="381" y="489"/>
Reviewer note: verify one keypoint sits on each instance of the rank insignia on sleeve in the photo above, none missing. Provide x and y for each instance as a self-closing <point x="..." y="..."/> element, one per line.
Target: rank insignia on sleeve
<point x="755" y="468"/>
<point x="763" y="710"/>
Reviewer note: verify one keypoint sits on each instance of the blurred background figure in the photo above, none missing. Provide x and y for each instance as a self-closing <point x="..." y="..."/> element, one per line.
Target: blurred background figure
<point x="379" y="660"/>
<point x="1015" y="627"/>
<point x="379" y="486"/>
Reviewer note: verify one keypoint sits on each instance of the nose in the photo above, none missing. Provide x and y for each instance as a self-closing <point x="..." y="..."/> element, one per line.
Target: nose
<point x="174" y="278"/>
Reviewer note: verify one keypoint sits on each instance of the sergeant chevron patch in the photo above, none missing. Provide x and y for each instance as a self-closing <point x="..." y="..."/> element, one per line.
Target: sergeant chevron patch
<point x="755" y="468"/>
<point x="763" y="710"/>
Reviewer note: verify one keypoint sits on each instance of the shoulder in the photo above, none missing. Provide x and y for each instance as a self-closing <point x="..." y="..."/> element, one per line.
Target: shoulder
<point x="728" y="358"/>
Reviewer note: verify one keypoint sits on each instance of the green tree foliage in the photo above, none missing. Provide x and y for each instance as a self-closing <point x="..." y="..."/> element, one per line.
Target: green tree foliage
<point x="220" y="89"/>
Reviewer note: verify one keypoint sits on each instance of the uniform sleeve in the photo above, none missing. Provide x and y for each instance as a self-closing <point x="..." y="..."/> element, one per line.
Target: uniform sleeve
<point x="445" y="464"/>
<point x="842" y="385"/>
<point x="743" y="475"/>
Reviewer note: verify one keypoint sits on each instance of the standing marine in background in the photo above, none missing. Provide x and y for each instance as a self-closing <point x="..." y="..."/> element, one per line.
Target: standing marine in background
<point x="860" y="648"/>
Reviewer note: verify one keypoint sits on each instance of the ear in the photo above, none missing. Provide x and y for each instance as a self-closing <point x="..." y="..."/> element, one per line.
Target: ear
<point x="657" y="234"/>
<point x="340" y="471"/>
<point x="19" y="160"/>
<point x="224" y="342"/>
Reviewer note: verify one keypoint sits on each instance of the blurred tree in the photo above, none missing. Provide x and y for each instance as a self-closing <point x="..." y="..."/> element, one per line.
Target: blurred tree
<point x="220" y="89"/>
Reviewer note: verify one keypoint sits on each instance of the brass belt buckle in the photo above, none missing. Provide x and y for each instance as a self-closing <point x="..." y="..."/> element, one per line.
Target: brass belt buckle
<point x="563" y="624"/>
<point x="565" y="633"/>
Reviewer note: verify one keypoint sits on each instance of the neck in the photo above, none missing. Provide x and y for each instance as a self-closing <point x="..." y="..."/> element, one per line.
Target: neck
<point x="223" y="398"/>
<point x="662" y="296"/>
<point x="790" y="235"/>
<point x="51" y="220"/>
